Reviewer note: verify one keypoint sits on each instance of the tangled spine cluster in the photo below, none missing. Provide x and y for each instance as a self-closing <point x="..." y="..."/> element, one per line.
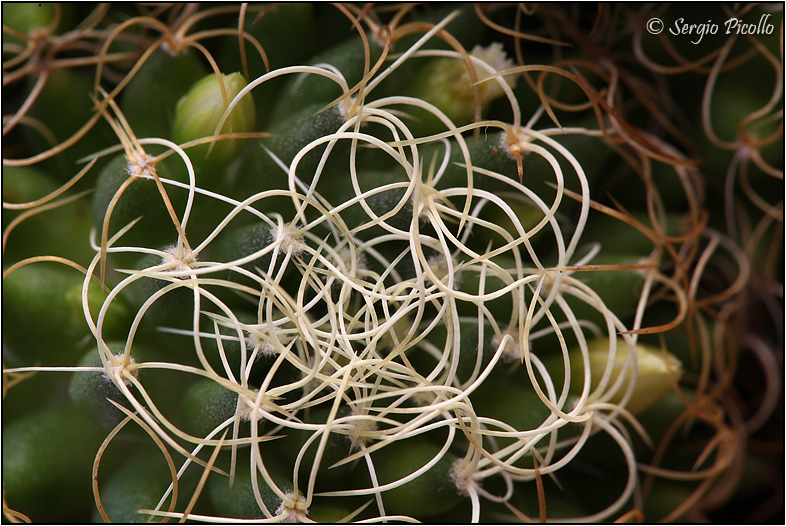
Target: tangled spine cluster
<point x="380" y="309"/>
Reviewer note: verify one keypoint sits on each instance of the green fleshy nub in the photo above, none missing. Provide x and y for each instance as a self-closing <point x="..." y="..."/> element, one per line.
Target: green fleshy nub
<point x="656" y="373"/>
<point x="199" y="111"/>
<point x="447" y="84"/>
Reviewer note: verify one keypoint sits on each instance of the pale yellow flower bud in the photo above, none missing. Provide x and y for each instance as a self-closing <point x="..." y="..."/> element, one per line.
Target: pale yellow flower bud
<point x="199" y="111"/>
<point x="447" y="84"/>
<point x="656" y="372"/>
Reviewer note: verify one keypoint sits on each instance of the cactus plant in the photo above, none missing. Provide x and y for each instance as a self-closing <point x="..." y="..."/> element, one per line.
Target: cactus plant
<point x="449" y="262"/>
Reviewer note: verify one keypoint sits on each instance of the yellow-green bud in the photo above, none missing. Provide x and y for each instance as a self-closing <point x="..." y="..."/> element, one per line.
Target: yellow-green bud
<point x="657" y="371"/>
<point x="446" y="83"/>
<point x="199" y="111"/>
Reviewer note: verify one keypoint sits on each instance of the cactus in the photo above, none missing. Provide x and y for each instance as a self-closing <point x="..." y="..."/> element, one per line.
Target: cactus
<point x="455" y="263"/>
